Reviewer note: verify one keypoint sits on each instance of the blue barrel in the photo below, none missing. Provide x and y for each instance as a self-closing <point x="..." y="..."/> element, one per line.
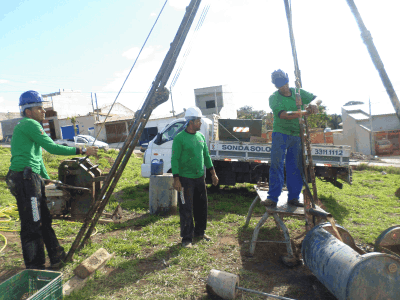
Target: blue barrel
<point x="347" y="274"/>
<point x="157" y="167"/>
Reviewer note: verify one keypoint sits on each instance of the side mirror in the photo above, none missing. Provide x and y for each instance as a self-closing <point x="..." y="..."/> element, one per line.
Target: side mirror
<point x="157" y="140"/>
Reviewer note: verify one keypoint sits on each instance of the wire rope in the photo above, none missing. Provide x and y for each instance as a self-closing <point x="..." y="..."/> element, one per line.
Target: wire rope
<point x="190" y="45"/>
<point x="141" y="49"/>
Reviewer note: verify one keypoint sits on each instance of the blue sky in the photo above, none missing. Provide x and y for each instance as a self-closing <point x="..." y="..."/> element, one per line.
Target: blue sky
<point x="91" y="45"/>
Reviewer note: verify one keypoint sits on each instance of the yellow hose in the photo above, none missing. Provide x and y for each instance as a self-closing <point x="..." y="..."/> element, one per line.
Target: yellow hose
<point x="12" y="210"/>
<point x="5" y="242"/>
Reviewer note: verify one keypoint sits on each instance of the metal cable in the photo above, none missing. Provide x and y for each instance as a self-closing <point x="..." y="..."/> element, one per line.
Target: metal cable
<point x="189" y="48"/>
<point x="141" y="49"/>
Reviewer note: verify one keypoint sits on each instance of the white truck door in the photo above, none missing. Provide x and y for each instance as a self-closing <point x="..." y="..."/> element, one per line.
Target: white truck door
<point x="162" y="144"/>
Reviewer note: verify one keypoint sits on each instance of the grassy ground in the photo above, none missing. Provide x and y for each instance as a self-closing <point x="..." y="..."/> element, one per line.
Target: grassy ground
<point x="149" y="262"/>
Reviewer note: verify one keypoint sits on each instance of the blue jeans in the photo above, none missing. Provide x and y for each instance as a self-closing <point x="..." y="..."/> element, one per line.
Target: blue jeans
<point x="286" y="149"/>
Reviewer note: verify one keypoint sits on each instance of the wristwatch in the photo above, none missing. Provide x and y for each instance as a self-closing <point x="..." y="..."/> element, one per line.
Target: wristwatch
<point x="83" y="150"/>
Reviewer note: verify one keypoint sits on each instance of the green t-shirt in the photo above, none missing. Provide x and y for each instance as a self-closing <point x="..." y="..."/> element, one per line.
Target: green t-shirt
<point x="278" y="103"/>
<point x="189" y="155"/>
<point x="26" y="147"/>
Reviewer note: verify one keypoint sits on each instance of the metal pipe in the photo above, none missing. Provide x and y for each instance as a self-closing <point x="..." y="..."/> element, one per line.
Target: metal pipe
<point x="376" y="59"/>
<point x="318" y="213"/>
<point x="262" y="293"/>
<point x="158" y="94"/>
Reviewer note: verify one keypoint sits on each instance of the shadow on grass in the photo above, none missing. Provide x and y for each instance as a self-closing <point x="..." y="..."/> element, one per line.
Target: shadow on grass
<point x="331" y="205"/>
<point x="131" y="272"/>
<point x="265" y="271"/>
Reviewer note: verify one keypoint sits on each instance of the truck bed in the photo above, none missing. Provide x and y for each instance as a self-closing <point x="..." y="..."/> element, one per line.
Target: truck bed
<point x="322" y="154"/>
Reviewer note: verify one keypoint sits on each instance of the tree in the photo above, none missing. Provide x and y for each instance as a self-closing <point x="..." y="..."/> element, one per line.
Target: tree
<point x="318" y="120"/>
<point x="73" y="121"/>
<point x="247" y="112"/>
<point x="334" y="121"/>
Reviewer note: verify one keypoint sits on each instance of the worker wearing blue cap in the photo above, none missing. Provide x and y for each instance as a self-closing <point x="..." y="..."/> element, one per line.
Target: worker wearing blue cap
<point x="286" y="141"/>
<point x="25" y="180"/>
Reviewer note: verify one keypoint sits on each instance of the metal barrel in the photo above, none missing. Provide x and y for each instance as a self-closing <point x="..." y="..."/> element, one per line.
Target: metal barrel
<point x="347" y="274"/>
<point x="163" y="198"/>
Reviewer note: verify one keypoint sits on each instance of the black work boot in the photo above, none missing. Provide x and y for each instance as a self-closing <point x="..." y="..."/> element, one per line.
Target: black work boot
<point x="58" y="260"/>
<point x="269" y="203"/>
<point x="295" y="202"/>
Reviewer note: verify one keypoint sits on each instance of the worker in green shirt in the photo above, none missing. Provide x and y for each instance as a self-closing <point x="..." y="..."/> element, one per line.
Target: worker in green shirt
<point x="189" y="156"/>
<point x="286" y="141"/>
<point x="26" y="183"/>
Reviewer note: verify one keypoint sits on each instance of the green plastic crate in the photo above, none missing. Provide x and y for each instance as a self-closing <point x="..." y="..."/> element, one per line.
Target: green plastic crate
<point x="33" y="285"/>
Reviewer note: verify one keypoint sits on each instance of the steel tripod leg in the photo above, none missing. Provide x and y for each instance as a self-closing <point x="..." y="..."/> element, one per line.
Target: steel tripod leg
<point x="285" y="233"/>
<point x="251" y="210"/>
<point x="255" y="232"/>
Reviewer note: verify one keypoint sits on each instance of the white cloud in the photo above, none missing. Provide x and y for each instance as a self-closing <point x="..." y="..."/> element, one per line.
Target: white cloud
<point x="1" y="99"/>
<point x="178" y="4"/>
<point x="33" y="82"/>
<point x="3" y="81"/>
<point x="153" y="14"/>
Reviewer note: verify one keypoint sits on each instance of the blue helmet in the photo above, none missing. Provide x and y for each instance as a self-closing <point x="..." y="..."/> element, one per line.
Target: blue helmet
<point x="30" y="99"/>
<point x="279" y="78"/>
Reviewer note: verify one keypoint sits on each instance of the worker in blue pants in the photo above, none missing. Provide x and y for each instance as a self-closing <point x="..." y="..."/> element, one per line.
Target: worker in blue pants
<point x="286" y="141"/>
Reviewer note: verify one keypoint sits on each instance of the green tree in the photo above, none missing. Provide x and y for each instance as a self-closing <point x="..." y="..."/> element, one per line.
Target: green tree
<point x="247" y="112"/>
<point x="318" y="120"/>
<point x="73" y="121"/>
<point x="334" y="121"/>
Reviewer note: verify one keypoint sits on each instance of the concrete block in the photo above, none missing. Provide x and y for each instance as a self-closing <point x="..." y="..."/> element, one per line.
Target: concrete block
<point x="92" y="263"/>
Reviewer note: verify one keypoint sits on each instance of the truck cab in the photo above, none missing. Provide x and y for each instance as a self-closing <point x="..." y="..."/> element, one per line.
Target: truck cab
<point x="161" y="146"/>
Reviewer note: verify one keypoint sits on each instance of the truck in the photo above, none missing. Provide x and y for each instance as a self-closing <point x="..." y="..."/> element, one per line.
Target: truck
<point x="242" y="160"/>
<point x="81" y="141"/>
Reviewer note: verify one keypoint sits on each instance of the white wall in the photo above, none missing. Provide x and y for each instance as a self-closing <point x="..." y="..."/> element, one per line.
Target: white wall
<point x="223" y="98"/>
<point x="349" y="130"/>
<point x="71" y="103"/>
<point x="363" y="140"/>
<point x="83" y="123"/>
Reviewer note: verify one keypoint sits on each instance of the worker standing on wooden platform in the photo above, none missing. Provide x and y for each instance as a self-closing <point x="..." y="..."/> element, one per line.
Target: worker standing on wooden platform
<point x="189" y="156"/>
<point x="25" y="181"/>
<point x="286" y="141"/>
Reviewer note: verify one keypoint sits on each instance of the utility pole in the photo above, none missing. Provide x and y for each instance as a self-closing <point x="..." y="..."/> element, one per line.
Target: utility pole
<point x="216" y="103"/>
<point x="97" y="107"/>
<point x="172" y="101"/>
<point x="372" y="146"/>
<point x="91" y="97"/>
<point x="373" y="53"/>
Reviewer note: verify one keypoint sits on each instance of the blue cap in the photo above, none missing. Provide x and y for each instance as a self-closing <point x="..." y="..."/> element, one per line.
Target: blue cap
<point x="279" y="78"/>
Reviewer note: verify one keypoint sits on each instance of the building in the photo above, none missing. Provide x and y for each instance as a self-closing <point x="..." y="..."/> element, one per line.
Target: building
<point x="216" y="100"/>
<point x="375" y="134"/>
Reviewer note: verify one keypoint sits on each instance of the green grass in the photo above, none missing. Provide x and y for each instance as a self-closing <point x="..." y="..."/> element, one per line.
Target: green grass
<point x="149" y="262"/>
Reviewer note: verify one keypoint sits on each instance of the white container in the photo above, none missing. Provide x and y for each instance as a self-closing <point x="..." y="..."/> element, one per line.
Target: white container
<point x="163" y="198"/>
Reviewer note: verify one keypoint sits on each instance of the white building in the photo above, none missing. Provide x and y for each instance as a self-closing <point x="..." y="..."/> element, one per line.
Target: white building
<point x="216" y="100"/>
<point x="361" y="130"/>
